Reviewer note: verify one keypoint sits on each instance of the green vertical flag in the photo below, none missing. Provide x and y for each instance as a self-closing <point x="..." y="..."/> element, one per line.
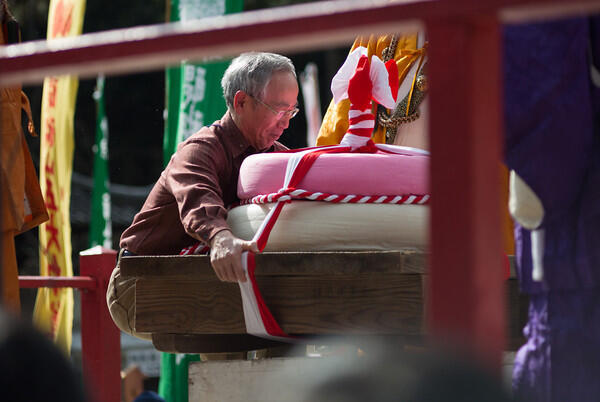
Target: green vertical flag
<point x="172" y="90"/>
<point x="100" y="222"/>
<point x="194" y="95"/>
<point x="194" y="99"/>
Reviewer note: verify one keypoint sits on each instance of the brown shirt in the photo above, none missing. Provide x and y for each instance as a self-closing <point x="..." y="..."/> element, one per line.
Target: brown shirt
<point x="188" y="202"/>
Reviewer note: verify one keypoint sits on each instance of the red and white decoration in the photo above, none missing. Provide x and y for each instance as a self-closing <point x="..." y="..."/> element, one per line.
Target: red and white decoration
<point x="258" y="318"/>
<point x="405" y="173"/>
<point x="362" y="80"/>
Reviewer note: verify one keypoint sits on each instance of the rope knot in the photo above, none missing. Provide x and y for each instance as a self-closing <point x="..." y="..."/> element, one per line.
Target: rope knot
<point x="368" y="148"/>
<point x="286" y="190"/>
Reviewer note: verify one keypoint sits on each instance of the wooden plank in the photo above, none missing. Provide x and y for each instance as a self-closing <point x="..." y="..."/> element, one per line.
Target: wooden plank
<point x="282" y="264"/>
<point x="351" y="304"/>
<point x="309" y="293"/>
<point x="189" y="310"/>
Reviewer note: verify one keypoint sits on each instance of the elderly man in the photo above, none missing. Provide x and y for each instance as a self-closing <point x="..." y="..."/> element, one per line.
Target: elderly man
<point x="189" y="201"/>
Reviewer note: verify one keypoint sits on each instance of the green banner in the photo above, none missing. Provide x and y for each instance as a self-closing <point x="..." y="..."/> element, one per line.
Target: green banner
<point x="172" y="89"/>
<point x="194" y="99"/>
<point x="194" y="89"/>
<point x="100" y="222"/>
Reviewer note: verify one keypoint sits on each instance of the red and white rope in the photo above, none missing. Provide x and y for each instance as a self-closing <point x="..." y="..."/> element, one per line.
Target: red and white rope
<point x="299" y="194"/>
<point x="198" y="248"/>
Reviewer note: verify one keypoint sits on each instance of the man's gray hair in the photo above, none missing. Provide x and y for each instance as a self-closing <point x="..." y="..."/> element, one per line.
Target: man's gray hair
<point x="251" y="72"/>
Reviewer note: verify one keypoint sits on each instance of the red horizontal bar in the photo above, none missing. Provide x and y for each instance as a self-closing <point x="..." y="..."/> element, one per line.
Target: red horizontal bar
<point x="76" y="282"/>
<point x="291" y="28"/>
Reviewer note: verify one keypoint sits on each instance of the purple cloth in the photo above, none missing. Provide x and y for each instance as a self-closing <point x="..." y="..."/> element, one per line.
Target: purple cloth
<point x="552" y="141"/>
<point x="561" y="359"/>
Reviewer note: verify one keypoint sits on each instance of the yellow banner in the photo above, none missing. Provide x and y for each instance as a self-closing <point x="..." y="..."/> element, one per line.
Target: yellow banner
<point x="53" y="311"/>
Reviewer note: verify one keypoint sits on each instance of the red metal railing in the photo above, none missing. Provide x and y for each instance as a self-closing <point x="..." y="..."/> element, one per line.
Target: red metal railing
<point x="293" y="28"/>
<point x="464" y="68"/>
<point x="75" y="282"/>
<point x="100" y="338"/>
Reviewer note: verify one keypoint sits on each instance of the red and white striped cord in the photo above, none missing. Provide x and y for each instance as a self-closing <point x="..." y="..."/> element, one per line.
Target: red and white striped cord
<point x="198" y="248"/>
<point x="289" y="194"/>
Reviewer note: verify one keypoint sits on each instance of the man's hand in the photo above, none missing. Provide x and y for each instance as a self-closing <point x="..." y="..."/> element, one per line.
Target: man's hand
<point x="226" y="256"/>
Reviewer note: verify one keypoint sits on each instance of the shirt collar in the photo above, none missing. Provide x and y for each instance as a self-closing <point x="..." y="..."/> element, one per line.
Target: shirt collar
<point x="237" y="143"/>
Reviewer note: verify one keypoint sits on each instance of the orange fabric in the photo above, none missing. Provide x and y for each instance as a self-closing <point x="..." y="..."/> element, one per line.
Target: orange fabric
<point x="21" y="199"/>
<point x="508" y="238"/>
<point x="23" y="206"/>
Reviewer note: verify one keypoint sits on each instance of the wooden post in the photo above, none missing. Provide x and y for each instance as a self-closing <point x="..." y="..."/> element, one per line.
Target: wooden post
<point x="100" y="338"/>
<point x="466" y="287"/>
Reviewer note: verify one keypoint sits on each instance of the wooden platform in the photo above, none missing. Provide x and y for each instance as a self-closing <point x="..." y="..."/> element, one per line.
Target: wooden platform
<point x="360" y="294"/>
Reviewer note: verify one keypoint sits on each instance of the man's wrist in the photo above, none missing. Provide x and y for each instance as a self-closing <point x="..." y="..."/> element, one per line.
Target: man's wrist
<point x="221" y="233"/>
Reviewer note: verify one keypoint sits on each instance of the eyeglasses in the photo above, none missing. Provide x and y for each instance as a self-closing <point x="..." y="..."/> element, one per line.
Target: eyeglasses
<point x="280" y="114"/>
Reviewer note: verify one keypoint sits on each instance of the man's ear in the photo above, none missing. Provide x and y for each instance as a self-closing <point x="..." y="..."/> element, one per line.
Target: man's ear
<point x="240" y="100"/>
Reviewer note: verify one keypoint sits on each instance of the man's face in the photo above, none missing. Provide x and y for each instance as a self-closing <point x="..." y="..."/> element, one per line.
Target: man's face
<point x="262" y="125"/>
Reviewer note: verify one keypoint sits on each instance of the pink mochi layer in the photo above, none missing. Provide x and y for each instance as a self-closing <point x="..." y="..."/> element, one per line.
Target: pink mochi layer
<point x="347" y="173"/>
